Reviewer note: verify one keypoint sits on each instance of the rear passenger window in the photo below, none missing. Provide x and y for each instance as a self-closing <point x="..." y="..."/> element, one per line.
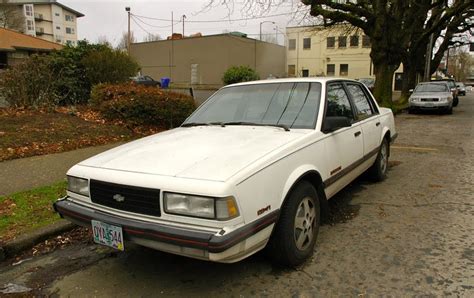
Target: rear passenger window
<point x="363" y="108"/>
<point x="338" y="102"/>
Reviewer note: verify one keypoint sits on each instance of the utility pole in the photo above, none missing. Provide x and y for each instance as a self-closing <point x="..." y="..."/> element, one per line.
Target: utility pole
<point x="127" y="9"/>
<point x="429" y="52"/>
<point x="184" y="17"/>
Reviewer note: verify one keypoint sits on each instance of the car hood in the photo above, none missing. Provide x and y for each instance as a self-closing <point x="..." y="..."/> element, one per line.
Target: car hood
<point x="431" y="94"/>
<point x="205" y="152"/>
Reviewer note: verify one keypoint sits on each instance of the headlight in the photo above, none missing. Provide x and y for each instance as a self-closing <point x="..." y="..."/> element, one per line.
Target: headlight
<point x="414" y="99"/>
<point x="78" y="185"/>
<point x="203" y="207"/>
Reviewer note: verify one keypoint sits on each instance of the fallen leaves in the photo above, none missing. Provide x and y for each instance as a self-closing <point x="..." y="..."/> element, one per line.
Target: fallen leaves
<point x="28" y="133"/>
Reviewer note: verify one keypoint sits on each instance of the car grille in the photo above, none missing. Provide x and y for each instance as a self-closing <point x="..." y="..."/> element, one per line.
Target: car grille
<point x="430" y="99"/>
<point x="127" y="198"/>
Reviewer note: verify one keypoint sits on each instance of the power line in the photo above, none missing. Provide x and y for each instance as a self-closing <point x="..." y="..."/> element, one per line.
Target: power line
<point x="222" y="21"/>
<point x="138" y="24"/>
<point x="154" y="26"/>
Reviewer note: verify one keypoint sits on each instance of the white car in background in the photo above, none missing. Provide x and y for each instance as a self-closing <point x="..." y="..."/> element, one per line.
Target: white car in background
<point x="434" y="95"/>
<point x="252" y="167"/>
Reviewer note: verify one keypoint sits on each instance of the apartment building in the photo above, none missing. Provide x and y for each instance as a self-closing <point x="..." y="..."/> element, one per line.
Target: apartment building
<point x="339" y="51"/>
<point x="49" y="20"/>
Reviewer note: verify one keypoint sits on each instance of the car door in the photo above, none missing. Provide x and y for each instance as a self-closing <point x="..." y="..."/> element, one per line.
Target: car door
<point x="368" y="118"/>
<point x="344" y="147"/>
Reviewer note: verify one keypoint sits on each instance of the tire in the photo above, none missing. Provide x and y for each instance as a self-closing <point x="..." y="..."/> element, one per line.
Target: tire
<point x="449" y="110"/>
<point x="455" y="101"/>
<point x="295" y="234"/>
<point x="378" y="171"/>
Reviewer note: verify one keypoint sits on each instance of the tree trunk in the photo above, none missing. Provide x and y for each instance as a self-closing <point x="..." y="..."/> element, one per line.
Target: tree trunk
<point x="383" y="83"/>
<point x="409" y="79"/>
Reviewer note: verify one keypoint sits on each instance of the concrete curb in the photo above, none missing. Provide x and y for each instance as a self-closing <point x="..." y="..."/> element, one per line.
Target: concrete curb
<point x="29" y="240"/>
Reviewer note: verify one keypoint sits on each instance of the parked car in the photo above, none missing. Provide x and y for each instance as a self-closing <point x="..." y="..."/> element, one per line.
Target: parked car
<point x="454" y="90"/>
<point x="368" y="82"/>
<point x="146" y="80"/>
<point x="431" y="96"/>
<point x="252" y="167"/>
<point x="461" y="88"/>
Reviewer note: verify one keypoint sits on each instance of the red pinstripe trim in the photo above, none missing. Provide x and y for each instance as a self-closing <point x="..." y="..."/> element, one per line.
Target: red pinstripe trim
<point x="246" y="233"/>
<point x="155" y="234"/>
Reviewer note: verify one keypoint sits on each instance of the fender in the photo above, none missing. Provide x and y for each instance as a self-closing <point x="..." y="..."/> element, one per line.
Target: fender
<point x="295" y="176"/>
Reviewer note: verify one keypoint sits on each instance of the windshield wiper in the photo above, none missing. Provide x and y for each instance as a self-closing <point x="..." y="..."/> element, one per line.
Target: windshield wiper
<point x="191" y="124"/>
<point x="256" y="124"/>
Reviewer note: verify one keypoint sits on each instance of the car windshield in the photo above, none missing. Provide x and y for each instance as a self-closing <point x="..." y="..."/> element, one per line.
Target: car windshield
<point x="367" y="82"/>
<point x="435" y="87"/>
<point x="291" y="105"/>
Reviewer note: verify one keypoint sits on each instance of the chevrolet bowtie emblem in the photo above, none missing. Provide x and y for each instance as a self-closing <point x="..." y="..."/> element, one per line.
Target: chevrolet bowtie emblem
<point x="119" y="198"/>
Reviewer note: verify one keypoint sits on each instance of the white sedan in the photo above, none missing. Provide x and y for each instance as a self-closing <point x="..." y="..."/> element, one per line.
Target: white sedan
<point x="253" y="167"/>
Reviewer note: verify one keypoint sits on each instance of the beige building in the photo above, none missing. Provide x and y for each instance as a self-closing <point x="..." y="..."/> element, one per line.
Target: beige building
<point x="338" y="51"/>
<point x="49" y="20"/>
<point x="202" y="60"/>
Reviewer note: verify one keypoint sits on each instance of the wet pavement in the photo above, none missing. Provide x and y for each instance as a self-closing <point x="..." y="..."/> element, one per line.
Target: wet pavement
<point x="412" y="234"/>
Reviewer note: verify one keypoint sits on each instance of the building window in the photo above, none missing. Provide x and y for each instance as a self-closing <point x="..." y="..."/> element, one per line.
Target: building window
<point x="354" y="41"/>
<point x="292" y="44"/>
<point x="344" y="70"/>
<point x="29" y="10"/>
<point x="331" y="70"/>
<point x="69" y="18"/>
<point x="29" y="25"/>
<point x="305" y="73"/>
<point x="291" y="70"/>
<point x="57" y="14"/>
<point x="58" y="28"/>
<point x="331" y="42"/>
<point x="69" y="30"/>
<point x="365" y="41"/>
<point x="306" y="43"/>
<point x="342" y="41"/>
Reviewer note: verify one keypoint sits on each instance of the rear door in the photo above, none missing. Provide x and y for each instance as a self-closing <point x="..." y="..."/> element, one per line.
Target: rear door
<point x="344" y="147"/>
<point x="367" y="116"/>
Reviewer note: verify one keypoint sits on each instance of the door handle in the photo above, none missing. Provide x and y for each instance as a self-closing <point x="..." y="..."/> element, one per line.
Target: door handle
<point x="377" y="124"/>
<point x="356" y="134"/>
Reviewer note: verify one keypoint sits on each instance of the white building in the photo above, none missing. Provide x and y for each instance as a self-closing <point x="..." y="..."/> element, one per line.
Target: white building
<point x="49" y="20"/>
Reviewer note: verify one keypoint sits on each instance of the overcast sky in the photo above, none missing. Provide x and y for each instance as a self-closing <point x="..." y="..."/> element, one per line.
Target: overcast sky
<point x="108" y="18"/>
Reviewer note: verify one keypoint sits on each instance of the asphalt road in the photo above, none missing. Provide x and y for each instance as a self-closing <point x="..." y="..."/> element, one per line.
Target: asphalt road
<point x="412" y="234"/>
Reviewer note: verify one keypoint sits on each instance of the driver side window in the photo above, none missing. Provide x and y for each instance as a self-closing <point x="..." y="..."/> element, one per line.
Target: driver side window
<point x="338" y="104"/>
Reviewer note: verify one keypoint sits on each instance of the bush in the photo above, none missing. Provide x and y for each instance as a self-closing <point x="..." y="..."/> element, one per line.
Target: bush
<point x="65" y="77"/>
<point x="237" y="74"/>
<point x="141" y="105"/>
<point x="30" y="83"/>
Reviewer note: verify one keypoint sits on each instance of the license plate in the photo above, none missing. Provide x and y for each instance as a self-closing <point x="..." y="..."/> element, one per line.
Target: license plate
<point x="108" y="235"/>
<point x="429" y="105"/>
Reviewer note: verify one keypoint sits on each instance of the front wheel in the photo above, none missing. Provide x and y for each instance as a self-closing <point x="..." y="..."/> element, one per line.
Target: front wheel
<point x="455" y="101"/>
<point x="378" y="171"/>
<point x="295" y="235"/>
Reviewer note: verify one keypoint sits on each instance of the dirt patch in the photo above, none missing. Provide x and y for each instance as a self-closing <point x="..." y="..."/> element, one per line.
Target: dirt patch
<point x="394" y="163"/>
<point x="7" y="207"/>
<point x="27" y="133"/>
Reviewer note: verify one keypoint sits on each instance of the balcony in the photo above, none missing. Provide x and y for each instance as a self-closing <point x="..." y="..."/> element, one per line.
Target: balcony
<point x="39" y="17"/>
<point x="39" y="31"/>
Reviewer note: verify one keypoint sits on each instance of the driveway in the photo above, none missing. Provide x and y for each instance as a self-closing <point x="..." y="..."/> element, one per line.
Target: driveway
<point x="412" y="234"/>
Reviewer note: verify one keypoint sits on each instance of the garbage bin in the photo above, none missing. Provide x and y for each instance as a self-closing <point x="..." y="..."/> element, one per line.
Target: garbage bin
<point x="165" y="82"/>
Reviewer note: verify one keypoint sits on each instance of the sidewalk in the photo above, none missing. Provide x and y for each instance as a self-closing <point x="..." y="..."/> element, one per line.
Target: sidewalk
<point x="27" y="173"/>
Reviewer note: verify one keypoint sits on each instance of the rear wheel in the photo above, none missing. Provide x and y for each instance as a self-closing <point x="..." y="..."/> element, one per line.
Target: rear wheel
<point x="295" y="235"/>
<point x="378" y="171"/>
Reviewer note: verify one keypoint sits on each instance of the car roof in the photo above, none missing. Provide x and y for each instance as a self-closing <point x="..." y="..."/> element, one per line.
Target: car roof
<point x="293" y="80"/>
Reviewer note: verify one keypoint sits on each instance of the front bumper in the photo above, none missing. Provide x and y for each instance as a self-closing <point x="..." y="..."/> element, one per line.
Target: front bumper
<point x="430" y="105"/>
<point x="220" y="247"/>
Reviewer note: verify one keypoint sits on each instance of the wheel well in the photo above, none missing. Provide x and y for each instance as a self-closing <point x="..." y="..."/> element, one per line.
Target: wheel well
<point x="314" y="178"/>
<point x="388" y="137"/>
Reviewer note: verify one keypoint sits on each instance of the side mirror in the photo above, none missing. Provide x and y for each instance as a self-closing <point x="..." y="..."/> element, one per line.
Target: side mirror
<point x="453" y="89"/>
<point x="411" y="90"/>
<point x="334" y="123"/>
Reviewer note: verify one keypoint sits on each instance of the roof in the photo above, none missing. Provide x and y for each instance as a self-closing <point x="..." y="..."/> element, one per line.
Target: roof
<point x="20" y="2"/>
<point x="293" y="80"/>
<point x="238" y="35"/>
<point x="12" y="40"/>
